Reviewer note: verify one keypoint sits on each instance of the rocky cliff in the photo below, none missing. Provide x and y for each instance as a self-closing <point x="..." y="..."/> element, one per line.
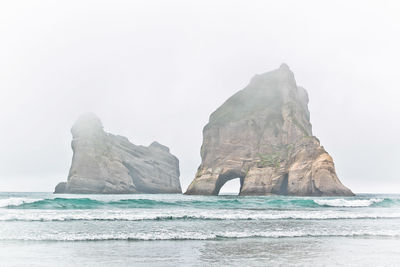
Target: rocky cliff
<point x="109" y="164"/>
<point x="262" y="135"/>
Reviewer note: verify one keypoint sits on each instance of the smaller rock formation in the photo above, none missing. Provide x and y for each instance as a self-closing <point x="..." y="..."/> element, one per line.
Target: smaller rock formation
<point x="262" y="135"/>
<point x="104" y="163"/>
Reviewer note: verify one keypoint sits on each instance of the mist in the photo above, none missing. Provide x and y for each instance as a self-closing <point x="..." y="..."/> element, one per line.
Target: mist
<point x="156" y="70"/>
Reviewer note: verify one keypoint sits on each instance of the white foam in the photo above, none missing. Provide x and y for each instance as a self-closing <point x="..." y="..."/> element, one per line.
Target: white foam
<point x="196" y="214"/>
<point x="347" y="203"/>
<point x="190" y="235"/>
<point x="16" y="201"/>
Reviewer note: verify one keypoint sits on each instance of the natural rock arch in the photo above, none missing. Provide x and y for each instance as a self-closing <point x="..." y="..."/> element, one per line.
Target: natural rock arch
<point x="263" y="135"/>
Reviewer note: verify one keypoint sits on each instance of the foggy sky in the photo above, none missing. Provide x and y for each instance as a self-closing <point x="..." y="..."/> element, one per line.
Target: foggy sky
<point x="155" y="70"/>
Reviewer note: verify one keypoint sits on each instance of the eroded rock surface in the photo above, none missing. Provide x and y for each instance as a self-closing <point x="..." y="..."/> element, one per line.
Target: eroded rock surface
<point x="109" y="164"/>
<point x="262" y="135"/>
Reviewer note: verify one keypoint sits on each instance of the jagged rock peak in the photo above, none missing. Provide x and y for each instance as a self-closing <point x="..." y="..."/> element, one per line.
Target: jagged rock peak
<point x="157" y="145"/>
<point x="284" y="67"/>
<point x="263" y="135"/>
<point x="87" y="124"/>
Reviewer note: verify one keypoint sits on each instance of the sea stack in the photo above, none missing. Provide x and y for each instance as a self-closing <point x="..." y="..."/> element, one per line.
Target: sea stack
<point x="104" y="163"/>
<point x="263" y="135"/>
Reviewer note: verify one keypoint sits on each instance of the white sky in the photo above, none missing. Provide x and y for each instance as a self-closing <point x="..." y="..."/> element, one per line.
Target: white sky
<point x="155" y="70"/>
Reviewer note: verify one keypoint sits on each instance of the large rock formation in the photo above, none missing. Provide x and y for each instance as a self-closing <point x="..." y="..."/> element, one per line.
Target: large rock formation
<point x="109" y="164"/>
<point x="263" y="136"/>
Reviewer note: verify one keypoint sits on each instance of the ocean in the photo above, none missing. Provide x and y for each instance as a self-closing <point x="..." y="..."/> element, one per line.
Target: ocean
<point x="43" y="229"/>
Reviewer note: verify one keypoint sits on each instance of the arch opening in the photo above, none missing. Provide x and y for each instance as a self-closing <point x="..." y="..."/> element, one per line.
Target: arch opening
<point x="231" y="187"/>
<point x="228" y="176"/>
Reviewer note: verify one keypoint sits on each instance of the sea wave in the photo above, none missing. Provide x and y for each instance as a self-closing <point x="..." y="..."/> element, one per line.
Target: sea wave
<point x="341" y="202"/>
<point x="199" y="236"/>
<point x="16" y="201"/>
<point x="256" y="203"/>
<point x="193" y="214"/>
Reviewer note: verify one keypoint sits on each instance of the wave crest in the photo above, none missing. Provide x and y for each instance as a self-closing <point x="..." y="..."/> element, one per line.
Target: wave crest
<point x="16" y="201"/>
<point x="200" y="236"/>
<point x="245" y="203"/>
<point x="341" y="202"/>
<point x="192" y="214"/>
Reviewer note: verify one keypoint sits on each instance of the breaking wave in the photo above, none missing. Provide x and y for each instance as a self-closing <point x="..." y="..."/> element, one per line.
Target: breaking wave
<point x="215" y="203"/>
<point x="200" y="236"/>
<point x="44" y="217"/>
<point x="192" y="214"/>
<point x="348" y="203"/>
<point x="16" y="201"/>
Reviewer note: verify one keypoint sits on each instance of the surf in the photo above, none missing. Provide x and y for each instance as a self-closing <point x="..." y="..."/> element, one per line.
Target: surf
<point x="255" y="203"/>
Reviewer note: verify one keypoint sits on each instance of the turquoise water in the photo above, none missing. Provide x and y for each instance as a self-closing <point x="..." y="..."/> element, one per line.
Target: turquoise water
<point x="198" y="230"/>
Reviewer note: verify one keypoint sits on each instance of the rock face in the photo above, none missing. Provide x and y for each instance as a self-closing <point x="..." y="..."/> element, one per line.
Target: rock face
<point x="103" y="163"/>
<point x="262" y="135"/>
